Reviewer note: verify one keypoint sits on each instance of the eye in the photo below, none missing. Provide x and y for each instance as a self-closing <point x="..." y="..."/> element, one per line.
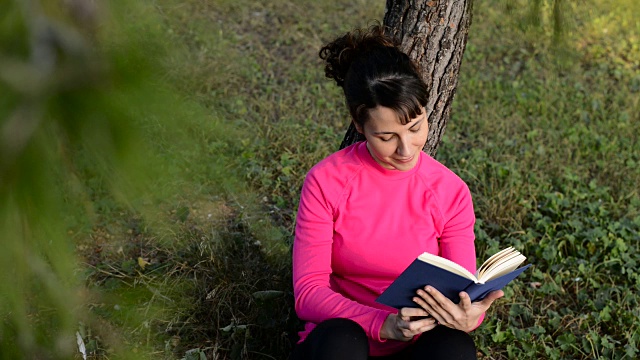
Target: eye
<point x="385" y="139"/>
<point x="414" y="130"/>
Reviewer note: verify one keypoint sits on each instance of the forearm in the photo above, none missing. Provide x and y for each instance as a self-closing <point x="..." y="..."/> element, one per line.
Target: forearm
<point x="316" y="303"/>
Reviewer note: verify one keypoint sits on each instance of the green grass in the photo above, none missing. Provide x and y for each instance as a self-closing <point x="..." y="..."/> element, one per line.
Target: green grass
<point x="545" y="133"/>
<point x="547" y="144"/>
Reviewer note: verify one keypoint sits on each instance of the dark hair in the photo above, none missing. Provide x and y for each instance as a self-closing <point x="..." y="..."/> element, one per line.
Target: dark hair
<point x="373" y="72"/>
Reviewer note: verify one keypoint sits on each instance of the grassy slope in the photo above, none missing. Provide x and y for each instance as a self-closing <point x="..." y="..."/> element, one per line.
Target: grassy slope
<point x="549" y="150"/>
<point x="550" y="154"/>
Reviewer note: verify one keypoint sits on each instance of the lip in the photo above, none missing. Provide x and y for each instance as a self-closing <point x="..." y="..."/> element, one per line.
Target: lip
<point x="404" y="161"/>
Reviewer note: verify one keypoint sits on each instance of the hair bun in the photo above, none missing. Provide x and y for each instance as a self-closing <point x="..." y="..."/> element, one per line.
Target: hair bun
<point x="341" y="53"/>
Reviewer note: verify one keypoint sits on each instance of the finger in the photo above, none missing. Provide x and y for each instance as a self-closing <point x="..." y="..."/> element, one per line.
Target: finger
<point x="418" y="327"/>
<point x="407" y="334"/>
<point x="439" y="319"/>
<point x="493" y="296"/>
<point x="424" y="305"/>
<point x="419" y="324"/>
<point x="405" y="329"/>
<point x="427" y="328"/>
<point x="420" y="302"/>
<point x="442" y="300"/>
<point x="409" y="312"/>
<point x="402" y="314"/>
<point x="431" y="303"/>
<point x="465" y="301"/>
<point x="443" y="315"/>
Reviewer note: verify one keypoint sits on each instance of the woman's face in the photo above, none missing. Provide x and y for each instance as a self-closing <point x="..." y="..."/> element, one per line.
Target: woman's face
<point x="391" y="144"/>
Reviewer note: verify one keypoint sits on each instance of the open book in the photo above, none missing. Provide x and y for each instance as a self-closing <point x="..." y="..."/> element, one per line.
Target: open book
<point x="450" y="278"/>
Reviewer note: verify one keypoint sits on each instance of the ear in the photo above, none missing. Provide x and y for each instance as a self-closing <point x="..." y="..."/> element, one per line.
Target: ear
<point x="358" y="127"/>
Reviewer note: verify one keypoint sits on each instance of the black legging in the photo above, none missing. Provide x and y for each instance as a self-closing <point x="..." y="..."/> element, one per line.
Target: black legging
<point x="343" y="339"/>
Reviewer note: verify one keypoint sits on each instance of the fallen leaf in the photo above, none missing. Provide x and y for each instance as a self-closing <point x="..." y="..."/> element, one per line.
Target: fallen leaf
<point x="81" y="347"/>
<point x="142" y="262"/>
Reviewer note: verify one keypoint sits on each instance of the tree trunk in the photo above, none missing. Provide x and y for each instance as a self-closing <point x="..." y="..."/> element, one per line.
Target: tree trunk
<point x="434" y="35"/>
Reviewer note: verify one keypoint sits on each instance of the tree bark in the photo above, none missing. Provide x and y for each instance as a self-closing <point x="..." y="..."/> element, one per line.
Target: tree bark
<point x="434" y="35"/>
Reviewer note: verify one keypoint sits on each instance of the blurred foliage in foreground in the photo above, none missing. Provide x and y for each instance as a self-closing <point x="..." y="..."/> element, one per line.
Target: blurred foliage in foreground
<point x="80" y="82"/>
<point x="64" y="88"/>
<point x="99" y="159"/>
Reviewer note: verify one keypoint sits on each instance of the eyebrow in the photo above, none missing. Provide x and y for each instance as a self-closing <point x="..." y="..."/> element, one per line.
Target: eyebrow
<point x="391" y="133"/>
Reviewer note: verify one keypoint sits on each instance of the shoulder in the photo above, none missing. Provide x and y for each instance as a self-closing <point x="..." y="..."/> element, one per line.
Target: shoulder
<point x="335" y="172"/>
<point x="338" y="165"/>
<point x="439" y="177"/>
<point x="446" y="187"/>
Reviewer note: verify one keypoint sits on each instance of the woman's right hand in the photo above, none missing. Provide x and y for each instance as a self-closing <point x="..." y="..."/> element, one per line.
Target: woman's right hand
<point x="400" y="326"/>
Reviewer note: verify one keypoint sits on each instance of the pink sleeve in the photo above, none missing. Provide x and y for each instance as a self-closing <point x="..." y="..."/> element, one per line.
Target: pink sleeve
<point x="315" y="301"/>
<point x="457" y="239"/>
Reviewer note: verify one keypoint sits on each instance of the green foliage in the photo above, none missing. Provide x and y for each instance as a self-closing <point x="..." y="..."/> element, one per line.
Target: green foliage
<point x="47" y="67"/>
<point x="88" y="121"/>
<point x="549" y="152"/>
<point x="181" y="208"/>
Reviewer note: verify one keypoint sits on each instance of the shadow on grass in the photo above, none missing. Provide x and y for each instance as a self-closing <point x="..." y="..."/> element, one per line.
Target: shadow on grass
<point x="216" y="290"/>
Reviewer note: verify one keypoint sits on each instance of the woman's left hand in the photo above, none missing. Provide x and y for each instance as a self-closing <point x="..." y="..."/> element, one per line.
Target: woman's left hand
<point x="462" y="316"/>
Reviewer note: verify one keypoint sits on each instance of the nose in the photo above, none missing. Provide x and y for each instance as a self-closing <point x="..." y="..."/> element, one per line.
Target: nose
<point x="403" y="148"/>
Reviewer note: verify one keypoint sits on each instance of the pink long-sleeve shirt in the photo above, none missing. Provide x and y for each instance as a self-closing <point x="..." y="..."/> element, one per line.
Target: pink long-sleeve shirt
<point x="359" y="225"/>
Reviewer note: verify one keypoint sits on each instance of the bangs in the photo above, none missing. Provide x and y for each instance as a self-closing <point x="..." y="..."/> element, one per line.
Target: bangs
<point x="404" y="95"/>
<point x="407" y="110"/>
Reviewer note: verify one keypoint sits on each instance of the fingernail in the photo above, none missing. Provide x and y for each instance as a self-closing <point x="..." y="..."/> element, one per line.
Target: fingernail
<point x="427" y="289"/>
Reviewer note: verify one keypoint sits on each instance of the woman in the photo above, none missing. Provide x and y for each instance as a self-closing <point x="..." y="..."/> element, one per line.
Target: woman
<point x="369" y="210"/>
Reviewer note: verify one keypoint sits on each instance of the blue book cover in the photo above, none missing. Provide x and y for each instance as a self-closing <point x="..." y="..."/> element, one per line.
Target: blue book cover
<point x="420" y="274"/>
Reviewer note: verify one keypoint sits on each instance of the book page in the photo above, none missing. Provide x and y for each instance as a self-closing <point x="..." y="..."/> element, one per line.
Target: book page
<point x="502" y="267"/>
<point x="493" y="259"/>
<point x="448" y="265"/>
<point x="502" y="259"/>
